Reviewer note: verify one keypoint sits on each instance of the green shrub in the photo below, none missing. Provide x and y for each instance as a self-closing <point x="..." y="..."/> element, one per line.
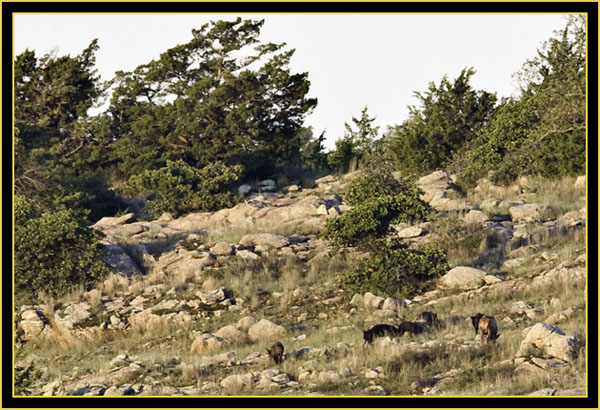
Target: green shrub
<point x="54" y="252"/>
<point x="89" y="196"/>
<point x="179" y="188"/>
<point x="393" y="270"/>
<point x="378" y="200"/>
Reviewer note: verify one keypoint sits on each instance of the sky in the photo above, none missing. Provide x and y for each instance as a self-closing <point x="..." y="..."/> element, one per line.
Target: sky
<point x="354" y="61"/>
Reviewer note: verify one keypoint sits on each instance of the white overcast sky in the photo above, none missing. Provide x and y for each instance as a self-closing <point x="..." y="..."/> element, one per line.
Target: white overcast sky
<point x="353" y="61"/>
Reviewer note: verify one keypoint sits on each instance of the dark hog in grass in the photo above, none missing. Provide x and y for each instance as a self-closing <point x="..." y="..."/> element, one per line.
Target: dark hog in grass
<point x="276" y="352"/>
<point x="412" y="328"/>
<point x="379" y="331"/>
<point x="488" y="328"/>
<point x="475" y="320"/>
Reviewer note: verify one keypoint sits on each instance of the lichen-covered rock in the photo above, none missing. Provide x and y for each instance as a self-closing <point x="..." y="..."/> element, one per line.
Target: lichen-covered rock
<point x="475" y="217"/>
<point x="462" y="277"/>
<point x="547" y="340"/>
<point x="116" y="220"/>
<point x="232" y="333"/>
<point x="206" y="342"/>
<point x="121" y="263"/>
<point x="246" y="254"/>
<point x="245" y="323"/>
<point x="223" y="248"/>
<point x="528" y="212"/>
<point x="373" y="302"/>
<point x="238" y="382"/>
<point x="580" y="182"/>
<point x="32" y="323"/>
<point x="268" y="239"/>
<point x="266" y="330"/>
<point x="410" y="232"/>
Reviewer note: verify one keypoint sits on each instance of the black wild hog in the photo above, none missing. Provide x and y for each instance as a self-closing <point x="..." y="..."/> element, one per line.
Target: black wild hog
<point x="475" y="320"/>
<point x="276" y="352"/>
<point x="429" y="317"/>
<point x="379" y="331"/>
<point x="488" y="328"/>
<point x="413" y="328"/>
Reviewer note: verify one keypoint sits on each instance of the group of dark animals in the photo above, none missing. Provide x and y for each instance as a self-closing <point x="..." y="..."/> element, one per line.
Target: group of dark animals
<point x="486" y="325"/>
<point x="482" y="323"/>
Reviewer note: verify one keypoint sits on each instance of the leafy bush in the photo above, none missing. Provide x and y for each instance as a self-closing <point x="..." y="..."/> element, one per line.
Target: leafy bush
<point x="393" y="270"/>
<point x="179" y="188"/>
<point x="54" y="252"/>
<point x="88" y="195"/>
<point x="378" y="200"/>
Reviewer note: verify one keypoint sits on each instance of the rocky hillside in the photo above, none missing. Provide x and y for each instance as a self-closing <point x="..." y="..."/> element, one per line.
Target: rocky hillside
<point x="195" y="302"/>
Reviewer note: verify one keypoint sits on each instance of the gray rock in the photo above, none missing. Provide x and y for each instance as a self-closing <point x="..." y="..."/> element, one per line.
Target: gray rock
<point x="116" y="220"/>
<point x="245" y="254"/>
<point x="266" y="330"/>
<point x="215" y="296"/>
<point x="373" y="302"/>
<point x="268" y="185"/>
<point x="223" y="248"/>
<point x="528" y="212"/>
<point x="411" y="232"/>
<point x="547" y="340"/>
<point x="268" y="239"/>
<point x="244" y="189"/>
<point x="116" y="257"/>
<point x="462" y="277"/>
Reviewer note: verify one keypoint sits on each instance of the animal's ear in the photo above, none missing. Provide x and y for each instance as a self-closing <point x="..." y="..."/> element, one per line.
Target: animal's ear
<point x="497" y="336"/>
<point x="268" y="351"/>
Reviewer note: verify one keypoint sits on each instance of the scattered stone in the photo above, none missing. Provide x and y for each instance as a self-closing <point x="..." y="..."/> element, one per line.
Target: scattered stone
<point x="246" y="322"/>
<point x="266" y="330"/>
<point x="376" y="390"/>
<point x="206" y="342"/>
<point x="232" y="334"/>
<point x="328" y="376"/>
<point x="268" y="239"/>
<point x="475" y="217"/>
<point x="357" y="300"/>
<point x="116" y="257"/>
<point x="116" y="220"/>
<point x="244" y="189"/>
<point x="580" y="182"/>
<point x="373" y="302"/>
<point x="411" y="232"/>
<point x="268" y="185"/>
<point x="238" y="382"/>
<point x="528" y="212"/>
<point x="245" y="254"/>
<point x="223" y="248"/>
<point x="394" y="304"/>
<point x="462" y="277"/>
<point x="547" y="340"/>
<point x="215" y="296"/>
